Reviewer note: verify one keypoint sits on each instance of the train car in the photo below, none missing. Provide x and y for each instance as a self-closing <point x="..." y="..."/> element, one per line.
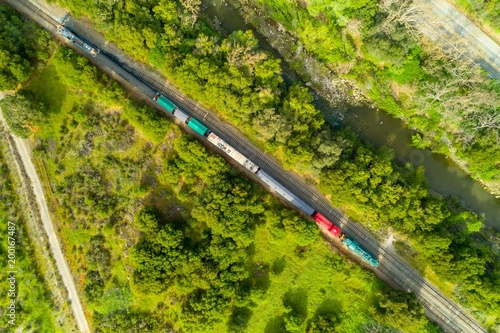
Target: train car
<point x="284" y="192"/>
<point x="198" y="127"/>
<point x="181" y="115"/>
<point x="165" y="103"/>
<point x="93" y="51"/>
<point x="325" y="223"/>
<point x="233" y="153"/>
<point x="357" y="249"/>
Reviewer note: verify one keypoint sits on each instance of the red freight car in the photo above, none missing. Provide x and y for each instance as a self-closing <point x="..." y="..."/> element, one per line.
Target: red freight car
<point x="323" y="221"/>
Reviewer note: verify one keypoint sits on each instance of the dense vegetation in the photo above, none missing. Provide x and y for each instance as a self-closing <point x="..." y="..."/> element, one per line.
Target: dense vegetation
<point x="22" y="44"/>
<point x="166" y="235"/>
<point x="486" y="11"/>
<point x="243" y="84"/>
<point x="34" y="306"/>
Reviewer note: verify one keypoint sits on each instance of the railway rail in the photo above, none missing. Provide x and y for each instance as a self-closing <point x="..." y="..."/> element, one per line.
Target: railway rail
<point x="390" y="262"/>
<point x="37" y="11"/>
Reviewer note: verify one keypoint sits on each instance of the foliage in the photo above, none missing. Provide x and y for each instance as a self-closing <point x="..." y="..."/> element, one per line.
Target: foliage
<point x="22" y="45"/>
<point x="400" y="310"/>
<point x="375" y="45"/>
<point x="452" y="104"/>
<point x="22" y="114"/>
<point x="486" y="11"/>
<point x="228" y="74"/>
<point x="203" y="254"/>
<point x="444" y="235"/>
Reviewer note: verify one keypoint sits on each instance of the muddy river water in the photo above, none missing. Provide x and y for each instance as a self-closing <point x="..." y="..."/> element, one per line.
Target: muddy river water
<point x="376" y="127"/>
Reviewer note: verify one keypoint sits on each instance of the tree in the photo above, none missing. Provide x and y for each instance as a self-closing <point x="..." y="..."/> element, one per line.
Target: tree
<point x="158" y="259"/>
<point x="192" y="8"/>
<point x="231" y="208"/>
<point x="294" y="323"/>
<point x="22" y="114"/>
<point x="22" y="43"/>
<point x="267" y="123"/>
<point x="323" y="324"/>
<point x="94" y="285"/>
<point x="205" y="308"/>
<point x="241" y="50"/>
<point x="400" y="310"/>
<point x="148" y="220"/>
<point x="98" y="255"/>
<point x="302" y="231"/>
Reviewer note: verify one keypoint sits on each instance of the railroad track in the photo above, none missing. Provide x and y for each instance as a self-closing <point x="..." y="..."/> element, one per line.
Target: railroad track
<point x="413" y="281"/>
<point x="37" y="11"/>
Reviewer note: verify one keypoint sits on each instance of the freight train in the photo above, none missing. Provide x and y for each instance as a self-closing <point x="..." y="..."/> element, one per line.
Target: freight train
<point x="276" y="186"/>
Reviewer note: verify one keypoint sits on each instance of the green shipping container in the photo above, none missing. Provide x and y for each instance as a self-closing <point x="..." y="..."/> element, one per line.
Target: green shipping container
<point x="198" y="127"/>
<point x="166" y="103"/>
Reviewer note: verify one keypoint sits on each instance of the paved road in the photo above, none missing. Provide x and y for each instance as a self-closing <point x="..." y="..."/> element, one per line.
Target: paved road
<point x="448" y="26"/>
<point x="392" y="268"/>
<point x="62" y="267"/>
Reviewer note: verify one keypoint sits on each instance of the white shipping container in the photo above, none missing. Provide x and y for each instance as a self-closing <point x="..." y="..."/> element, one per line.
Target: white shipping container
<point x="233" y="153"/>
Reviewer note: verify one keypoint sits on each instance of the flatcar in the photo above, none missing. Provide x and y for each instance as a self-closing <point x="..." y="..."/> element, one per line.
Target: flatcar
<point x="232" y="152"/>
<point x="181" y="115"/>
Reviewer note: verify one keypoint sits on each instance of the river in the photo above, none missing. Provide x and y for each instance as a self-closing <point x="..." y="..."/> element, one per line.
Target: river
<point x="376" y="127"/>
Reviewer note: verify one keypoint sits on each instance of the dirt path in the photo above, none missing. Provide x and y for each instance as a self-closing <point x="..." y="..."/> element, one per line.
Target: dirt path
<point x="22" y="150"/>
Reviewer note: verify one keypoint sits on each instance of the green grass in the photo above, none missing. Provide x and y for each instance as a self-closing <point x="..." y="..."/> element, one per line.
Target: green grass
<point x="316" y="281"/>
<point x="50" y="91"/>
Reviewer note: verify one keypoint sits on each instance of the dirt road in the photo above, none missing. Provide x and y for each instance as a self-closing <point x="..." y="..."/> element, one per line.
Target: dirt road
<point x="62" y="267"/>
